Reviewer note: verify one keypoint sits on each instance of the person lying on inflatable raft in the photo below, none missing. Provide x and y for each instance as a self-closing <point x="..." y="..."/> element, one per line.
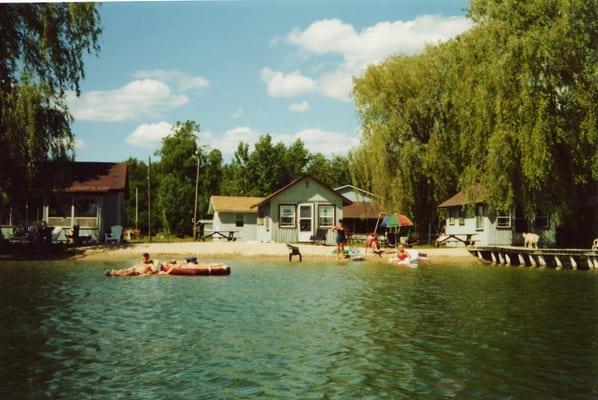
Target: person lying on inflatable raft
<point x="191" y="267"/>
<point x="188" y="267"/>
<point x="404" y="256"/>
<point x="147" y="266"/>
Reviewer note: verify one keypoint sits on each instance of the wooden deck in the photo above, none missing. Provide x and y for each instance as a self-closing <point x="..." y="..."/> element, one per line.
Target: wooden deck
<point x="586" y="259"/>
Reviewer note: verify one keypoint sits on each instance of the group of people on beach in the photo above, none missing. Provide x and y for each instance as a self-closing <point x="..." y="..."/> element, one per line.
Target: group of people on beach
<point x="342" y="236"/>
<point x="147" y="267"/>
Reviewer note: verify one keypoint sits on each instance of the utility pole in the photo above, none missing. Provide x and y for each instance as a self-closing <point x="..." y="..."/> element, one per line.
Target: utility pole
<point x="196" y="190"/>
<point x="136" y="207"/>
<point x="149" y="191"/>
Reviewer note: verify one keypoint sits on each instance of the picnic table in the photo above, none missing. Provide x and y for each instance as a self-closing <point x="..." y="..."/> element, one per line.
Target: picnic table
<point x="466" y="238"/>
<point x="228" y="235"/>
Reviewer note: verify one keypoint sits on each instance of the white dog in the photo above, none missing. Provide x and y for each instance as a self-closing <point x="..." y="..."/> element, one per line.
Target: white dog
<point x="595" y="244"/>
<point x="530" y="240"/>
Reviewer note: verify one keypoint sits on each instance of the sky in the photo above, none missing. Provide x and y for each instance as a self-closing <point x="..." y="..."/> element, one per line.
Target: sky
<point x="241" y="69"/>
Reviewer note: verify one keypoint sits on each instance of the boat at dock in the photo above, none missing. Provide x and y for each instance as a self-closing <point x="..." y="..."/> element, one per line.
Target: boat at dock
<point x="584" y="259"/>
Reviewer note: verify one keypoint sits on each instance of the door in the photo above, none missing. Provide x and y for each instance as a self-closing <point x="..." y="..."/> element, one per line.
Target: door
<point x="306" y="222"/>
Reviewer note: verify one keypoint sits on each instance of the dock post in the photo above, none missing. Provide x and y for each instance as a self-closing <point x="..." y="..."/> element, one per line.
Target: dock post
<point x="500" y="258"/>
<point x="521" y="260"/>
<point x="559" y="264"/>
<point x="532" y="261"/>
<point x="594" y="261"/>
<point x="542" y="261"/>
<point x="573" y="262"/>
<point x="480" y="255"/>
<point x="493" y="257"/>
<point x="507" y="259"/>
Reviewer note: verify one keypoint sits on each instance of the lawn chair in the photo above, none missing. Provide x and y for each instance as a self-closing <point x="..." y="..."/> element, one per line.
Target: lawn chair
<point x="114" y="235"/>
<point x="319" y="237"/>
<point x="294" y="251"/>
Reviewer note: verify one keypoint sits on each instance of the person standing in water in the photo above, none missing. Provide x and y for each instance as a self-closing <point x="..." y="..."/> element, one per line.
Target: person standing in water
<point x="341" y="237"/>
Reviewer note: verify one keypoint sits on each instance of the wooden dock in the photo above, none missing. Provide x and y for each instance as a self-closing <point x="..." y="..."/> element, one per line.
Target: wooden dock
<point x="583" y="259"/>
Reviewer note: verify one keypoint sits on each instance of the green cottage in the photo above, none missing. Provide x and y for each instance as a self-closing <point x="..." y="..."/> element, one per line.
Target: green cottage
<point x="299" y="211"/>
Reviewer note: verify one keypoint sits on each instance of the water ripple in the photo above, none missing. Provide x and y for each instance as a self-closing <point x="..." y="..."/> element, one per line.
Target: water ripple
<point x="314" y="331"/>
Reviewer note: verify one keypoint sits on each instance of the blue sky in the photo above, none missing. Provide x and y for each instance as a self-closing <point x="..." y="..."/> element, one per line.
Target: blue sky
<point x="241" y="69"/>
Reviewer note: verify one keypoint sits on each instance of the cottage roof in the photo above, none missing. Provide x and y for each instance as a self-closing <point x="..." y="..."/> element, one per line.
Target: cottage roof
<point x="355" y="189"/>
<point x="460" y="200"/>
<point x="240" y="204"/>
<point x="362" y="210"/>
<point x="88" y="177"/>
<point x="295" y="182"/>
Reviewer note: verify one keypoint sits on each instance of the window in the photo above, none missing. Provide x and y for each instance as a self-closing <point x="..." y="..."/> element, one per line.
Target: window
<point x="239" y="220"/>
<point x="60" y="212"/>
<point x="325" y="215"/>
<point x="86" y="212"/>
<point x="451" y="216"/>
<point x="541" y="221"/>
<point x="287" y="216"/>
<point x="479" y="217"/>
<point x="503" y="220"/>
<point x="461" y="215"/>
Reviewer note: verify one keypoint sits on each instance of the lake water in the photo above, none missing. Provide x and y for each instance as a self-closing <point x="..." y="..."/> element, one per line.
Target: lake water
<point x="280" y="330"/>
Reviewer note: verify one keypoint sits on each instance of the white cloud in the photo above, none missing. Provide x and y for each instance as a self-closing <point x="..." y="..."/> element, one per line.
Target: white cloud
<point x="149" y="135"/>
<point x="238" y="113"/>
<point x="299" y="107"/>
<point x="181" y="80"/>
<point x="326" y="142"/>
<point x="378" y="41"/>
<point x="359" y="49"/>
<point x="140" y="98"/>
<point x="337" y="85"/>
<point x="315" y="139"/>
<point x="286" y="85"/>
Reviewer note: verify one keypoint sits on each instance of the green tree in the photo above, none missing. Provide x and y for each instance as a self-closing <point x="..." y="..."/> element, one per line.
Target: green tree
<point x="511" y="104"/>
<point x="176" y="178"/>
<point x="41" y="58"/>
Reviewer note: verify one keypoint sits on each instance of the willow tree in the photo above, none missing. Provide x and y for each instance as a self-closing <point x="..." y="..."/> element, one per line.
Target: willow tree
<point x="511" y="105"/>
<point x="41" y="58"/>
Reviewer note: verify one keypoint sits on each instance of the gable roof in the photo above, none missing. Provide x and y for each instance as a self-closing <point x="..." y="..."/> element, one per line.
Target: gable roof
<point x="295" y="182"/>
<point x="356" y="189"/>
<point x="362" y="210"/>
<point x="240" y="204"/>
<point x="460" y="200"/>
<point x="83" y="177"/>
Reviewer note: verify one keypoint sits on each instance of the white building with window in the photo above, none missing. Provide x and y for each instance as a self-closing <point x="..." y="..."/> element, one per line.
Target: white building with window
<point x="490" y="227"/>
<point x="92" y="198"/>
<point x="294" y="213"/>
<point x="234" y="214"/>
<point x="299" y="211"/>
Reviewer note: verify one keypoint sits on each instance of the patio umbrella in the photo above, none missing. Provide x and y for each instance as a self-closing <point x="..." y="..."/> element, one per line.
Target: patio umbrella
<point x="395" y="220"/>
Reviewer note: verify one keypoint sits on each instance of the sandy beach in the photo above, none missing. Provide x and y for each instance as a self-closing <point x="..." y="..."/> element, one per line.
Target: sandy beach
<point x="244" y="249"/>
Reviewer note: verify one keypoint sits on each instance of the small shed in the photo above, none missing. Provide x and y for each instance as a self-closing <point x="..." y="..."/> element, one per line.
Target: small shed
<point x="234" y="213"/>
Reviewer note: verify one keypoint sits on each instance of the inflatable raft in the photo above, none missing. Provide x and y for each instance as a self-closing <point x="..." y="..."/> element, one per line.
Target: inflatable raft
<point x="220" y="269"/>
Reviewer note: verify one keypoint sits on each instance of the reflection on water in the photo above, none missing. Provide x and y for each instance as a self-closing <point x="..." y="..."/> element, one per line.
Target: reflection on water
<point x="290" y="331"/>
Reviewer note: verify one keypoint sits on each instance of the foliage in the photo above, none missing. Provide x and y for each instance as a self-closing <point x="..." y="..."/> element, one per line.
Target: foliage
<point x="511" y="104"/>
<point x="259" y="172"/>
<point x="41" y="58"/>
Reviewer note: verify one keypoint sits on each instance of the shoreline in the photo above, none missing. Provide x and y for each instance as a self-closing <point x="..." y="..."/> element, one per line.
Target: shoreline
<point x="248" y="250"/>
<point x="234" y="250"/>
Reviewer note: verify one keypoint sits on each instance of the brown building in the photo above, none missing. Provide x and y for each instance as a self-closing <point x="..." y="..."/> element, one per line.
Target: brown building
<point x="91" y="197"/>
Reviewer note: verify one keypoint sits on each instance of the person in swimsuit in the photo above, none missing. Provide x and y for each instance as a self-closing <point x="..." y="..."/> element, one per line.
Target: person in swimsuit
<point x="341" y="238"/>
<point x="372" y="241"/>
<point x="402" y="255"/>
<point x="146" y="267"/>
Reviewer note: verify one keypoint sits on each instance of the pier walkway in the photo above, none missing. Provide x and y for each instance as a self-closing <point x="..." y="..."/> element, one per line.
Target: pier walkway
<point x="553" y="258"/>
